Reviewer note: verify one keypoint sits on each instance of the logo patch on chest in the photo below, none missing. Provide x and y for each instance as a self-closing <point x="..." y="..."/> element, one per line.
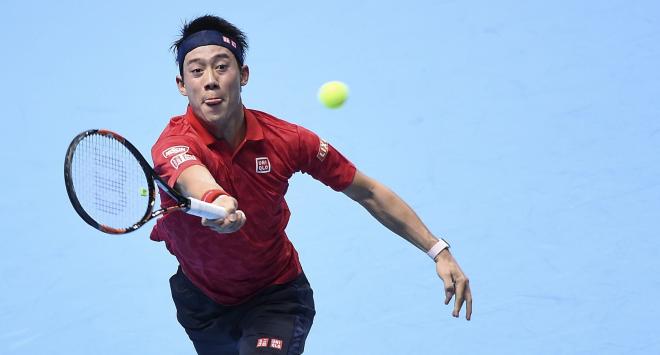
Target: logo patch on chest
<point x="263" y="165"/>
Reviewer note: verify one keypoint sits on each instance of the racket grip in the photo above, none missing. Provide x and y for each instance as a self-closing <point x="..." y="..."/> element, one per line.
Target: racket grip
<point x="205" y="209"/>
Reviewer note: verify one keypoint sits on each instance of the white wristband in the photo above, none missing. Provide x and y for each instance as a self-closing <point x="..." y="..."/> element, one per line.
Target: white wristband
<point x="437" y="248"/>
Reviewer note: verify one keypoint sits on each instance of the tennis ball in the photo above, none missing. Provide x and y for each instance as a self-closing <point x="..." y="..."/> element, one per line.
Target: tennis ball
<point x="144" y="192"/>
<point x="333" y="94"/>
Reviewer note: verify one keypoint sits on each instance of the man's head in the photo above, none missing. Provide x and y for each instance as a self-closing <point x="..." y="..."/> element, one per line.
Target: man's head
<point x="210" y="55"/>
<point x="211" y="23"/>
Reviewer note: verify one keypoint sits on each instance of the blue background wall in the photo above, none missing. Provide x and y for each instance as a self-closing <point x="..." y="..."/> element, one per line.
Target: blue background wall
<point x="525" y="132"/>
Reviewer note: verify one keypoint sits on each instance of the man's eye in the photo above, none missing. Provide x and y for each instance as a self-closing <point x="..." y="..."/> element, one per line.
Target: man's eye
<point x="196" y="71"/>
<point x="222" y="67"/>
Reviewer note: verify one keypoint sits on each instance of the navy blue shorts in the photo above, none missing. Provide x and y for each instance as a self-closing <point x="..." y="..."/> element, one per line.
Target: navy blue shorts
<point x="275" y="321"/>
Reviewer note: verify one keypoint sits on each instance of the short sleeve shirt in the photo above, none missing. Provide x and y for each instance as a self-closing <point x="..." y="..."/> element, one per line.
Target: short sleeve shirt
<point x="230" y="268"/>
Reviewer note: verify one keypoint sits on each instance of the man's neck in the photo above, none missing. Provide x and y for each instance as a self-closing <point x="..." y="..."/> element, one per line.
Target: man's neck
<point x="233" y="131"/>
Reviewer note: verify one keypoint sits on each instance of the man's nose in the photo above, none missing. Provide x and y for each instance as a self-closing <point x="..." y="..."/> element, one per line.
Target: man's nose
<point x="210" y="80"/>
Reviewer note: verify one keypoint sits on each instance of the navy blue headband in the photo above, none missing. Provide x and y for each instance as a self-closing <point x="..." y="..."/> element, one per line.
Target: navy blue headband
<point x="205" y="38"/>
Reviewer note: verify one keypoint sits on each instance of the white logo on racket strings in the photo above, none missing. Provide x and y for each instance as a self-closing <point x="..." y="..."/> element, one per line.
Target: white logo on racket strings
<point x="263" y="165"/>
<point x="176" y="150"/>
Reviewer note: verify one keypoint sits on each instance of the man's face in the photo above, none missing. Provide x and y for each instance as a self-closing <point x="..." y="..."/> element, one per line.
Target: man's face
<point x="212" y="82"/>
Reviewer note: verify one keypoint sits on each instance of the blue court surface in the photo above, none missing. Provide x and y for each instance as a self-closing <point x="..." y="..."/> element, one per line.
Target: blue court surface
<point x="527" y="133"/>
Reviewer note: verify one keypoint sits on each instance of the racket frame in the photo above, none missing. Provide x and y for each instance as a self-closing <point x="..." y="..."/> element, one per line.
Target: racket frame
<point x="181" y="203"/>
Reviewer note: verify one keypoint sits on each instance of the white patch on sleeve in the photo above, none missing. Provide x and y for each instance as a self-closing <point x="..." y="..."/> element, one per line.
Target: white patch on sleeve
<point x="175" y="150"/>
<point x="323" y="150"/>
<point x="179" y="159"/>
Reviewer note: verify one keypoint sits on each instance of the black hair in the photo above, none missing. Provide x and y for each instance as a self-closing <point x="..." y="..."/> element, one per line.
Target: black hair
<point x="215" y="23"/>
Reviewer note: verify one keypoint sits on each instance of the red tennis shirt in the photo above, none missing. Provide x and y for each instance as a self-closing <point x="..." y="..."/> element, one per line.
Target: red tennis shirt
<point x="231" y="268"/>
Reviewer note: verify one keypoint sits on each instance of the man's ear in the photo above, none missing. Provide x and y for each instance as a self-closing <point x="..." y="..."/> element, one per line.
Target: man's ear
<point x="181" y="86"/>
<point x="245" y="75"/>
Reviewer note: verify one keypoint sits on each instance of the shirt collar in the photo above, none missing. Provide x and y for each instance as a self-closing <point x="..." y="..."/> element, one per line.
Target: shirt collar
<point x="254" y="132"/>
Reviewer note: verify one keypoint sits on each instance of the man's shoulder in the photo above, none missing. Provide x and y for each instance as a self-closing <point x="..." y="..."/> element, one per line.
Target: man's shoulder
<point x="272" y="122"/>
<point x="176" y="131"/>
<point x="177" y="126"/>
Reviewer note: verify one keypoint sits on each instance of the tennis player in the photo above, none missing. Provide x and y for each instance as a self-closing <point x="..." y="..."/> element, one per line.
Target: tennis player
<point x="240" y="288"/>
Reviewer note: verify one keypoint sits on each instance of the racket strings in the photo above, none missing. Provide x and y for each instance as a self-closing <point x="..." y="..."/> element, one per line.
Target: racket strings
<point x="110" y="183"/>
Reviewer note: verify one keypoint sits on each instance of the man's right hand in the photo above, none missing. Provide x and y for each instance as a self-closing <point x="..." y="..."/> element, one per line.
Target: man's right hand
<point x="234" y="220"/>
<point x="196" y="180"/>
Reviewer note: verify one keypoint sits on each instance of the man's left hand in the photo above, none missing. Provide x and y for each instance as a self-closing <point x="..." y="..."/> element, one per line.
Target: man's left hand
<point x="456" y="283"/>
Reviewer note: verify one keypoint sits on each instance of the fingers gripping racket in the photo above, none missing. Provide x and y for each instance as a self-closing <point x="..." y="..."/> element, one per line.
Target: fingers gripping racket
<point x="112" y="186"/>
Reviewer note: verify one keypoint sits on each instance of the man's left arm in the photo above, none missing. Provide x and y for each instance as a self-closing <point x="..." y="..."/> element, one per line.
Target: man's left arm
<point x="392" y="212"/>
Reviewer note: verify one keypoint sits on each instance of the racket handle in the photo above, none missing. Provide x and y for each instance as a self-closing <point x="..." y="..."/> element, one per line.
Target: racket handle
<point x="206" y="210"/>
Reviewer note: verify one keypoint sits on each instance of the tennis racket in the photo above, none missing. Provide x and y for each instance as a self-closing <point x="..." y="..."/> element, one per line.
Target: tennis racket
<point x="113" y="188"/>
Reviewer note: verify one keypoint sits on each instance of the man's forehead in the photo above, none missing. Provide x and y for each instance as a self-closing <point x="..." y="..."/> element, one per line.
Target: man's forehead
<point x="208" y="52"/>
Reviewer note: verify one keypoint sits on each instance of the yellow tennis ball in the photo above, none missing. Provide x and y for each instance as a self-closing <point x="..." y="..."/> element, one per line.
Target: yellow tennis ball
<point x="333" y="94"/>
<point x="144" y="191"/>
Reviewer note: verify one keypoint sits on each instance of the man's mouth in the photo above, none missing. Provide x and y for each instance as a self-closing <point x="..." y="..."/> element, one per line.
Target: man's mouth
<point x="213" y="101"/>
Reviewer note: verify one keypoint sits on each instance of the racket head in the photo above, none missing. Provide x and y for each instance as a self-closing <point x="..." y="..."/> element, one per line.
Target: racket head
<point x="109" y="183"/>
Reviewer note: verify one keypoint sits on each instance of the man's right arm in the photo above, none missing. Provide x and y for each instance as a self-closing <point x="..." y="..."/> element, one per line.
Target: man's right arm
<point x="194" y="182"/>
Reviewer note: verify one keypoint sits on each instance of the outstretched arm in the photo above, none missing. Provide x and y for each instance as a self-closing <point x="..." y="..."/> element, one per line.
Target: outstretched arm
<point x="392" y="212"/>
<point x="194" y="181"/>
